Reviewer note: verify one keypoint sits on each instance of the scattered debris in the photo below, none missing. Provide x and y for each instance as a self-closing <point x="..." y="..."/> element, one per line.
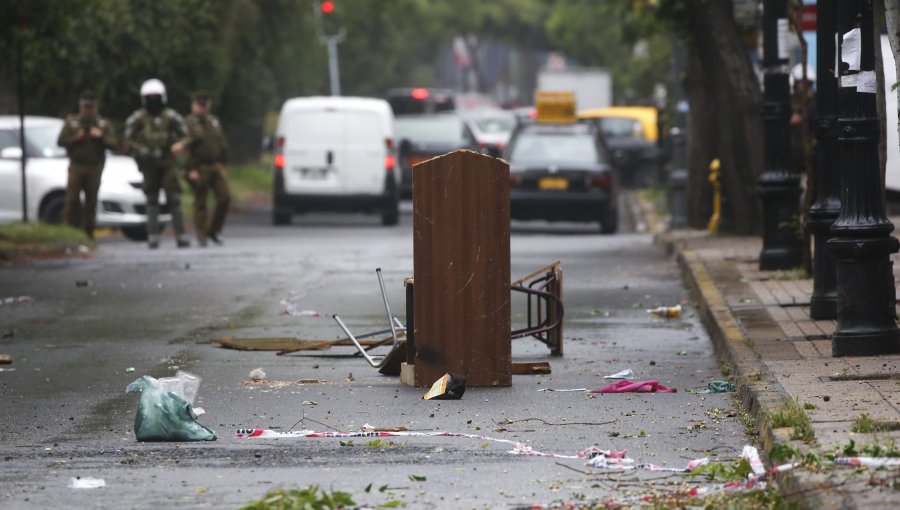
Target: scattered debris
<point x="624" y="374"/>
<point x="6" y="359"/>
<point x="530" y="368"/>
<point x="82" y="283"/>
<point x="86" y="483"/>
<point x="568" y="389"/>
<point x="129" y="370"/>
<point x="9" y="333"/>
<point x="717" y="387"/>
<point x="448" y="387"/>
<point x="289" y="308"/>
<point x="873" y="462"/>
<point x="257" y="374"/>
<point x="165" y="416"/>
<point x="635" y="387"/>
<point x="666" y="312"/>
<point x="14" y="300"/>
<point x="507" y="421"/>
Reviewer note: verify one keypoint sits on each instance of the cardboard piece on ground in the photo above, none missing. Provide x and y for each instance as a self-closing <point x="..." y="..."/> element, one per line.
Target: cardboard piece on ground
<point x="6" y="359"/>
<point x="286" y="344"/>
<point x="394" y="359"/>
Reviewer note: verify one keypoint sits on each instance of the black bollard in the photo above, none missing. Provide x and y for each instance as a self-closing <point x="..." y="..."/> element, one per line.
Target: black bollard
<point x="861" y="242"/>
<point x="827" y="206"/>
<point x="779" y="184"/>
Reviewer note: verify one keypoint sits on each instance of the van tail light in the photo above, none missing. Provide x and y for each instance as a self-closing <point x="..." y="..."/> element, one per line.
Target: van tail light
<point x="389" y="162"/>
<point x="420" y="94"/>
<point x="279" y="153"/>
<point x="515" y="179"/>
<point x="603" y="180"/>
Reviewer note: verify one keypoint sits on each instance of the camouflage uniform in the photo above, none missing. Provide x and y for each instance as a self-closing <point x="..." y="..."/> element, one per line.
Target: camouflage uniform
<point x="207" y="154"/>
<point x="87" y="155"/>
<point x="150" y="139"/>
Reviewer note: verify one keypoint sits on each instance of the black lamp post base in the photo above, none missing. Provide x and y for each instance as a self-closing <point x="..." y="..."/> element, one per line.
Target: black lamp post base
<point x="870" y="343"/>
<point x="823" y="307"/>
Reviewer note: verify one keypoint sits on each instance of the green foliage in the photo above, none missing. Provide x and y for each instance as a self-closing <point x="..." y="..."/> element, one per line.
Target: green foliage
<point x="790" y="414"/>
<point x="872" y="450"/>
<point x="309" y="498"/>
<point x="865" y="424"/>
<point x="38" y="232"/>
<point x="720" y="472"/>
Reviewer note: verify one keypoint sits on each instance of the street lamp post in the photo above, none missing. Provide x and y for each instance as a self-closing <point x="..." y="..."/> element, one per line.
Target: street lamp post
<point x="827" y="205"/>
<point x="779" y="184"/>
<point x="861" y="242"/>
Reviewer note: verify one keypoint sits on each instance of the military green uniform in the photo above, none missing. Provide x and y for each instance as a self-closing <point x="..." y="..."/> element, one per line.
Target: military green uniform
<point x="87" y="155"/>
<point x="150" y="139"/>
<point x="207" y="154"/>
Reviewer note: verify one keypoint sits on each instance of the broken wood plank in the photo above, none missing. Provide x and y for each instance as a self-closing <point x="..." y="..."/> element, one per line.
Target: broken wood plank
<point x="6" y="359"/>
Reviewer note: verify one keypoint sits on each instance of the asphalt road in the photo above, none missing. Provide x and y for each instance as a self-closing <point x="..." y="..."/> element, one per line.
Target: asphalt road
<point x="65" y="414"/>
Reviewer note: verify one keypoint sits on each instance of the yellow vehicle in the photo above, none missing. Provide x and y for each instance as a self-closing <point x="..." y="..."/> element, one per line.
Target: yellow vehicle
<point x="632" y="135"/>
<point x="626" y="121"/>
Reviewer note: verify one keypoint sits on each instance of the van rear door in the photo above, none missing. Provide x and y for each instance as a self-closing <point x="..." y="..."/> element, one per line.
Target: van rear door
<point x="313" y="140"/>
<point x="364" y="152"/>
<point x="334" y="150"/>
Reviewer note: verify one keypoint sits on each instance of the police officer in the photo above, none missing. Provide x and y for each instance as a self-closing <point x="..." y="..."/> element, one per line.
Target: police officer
<point x="207" y="154"/>
<point x="154" y="135"/>
<point x="86" y="137"/>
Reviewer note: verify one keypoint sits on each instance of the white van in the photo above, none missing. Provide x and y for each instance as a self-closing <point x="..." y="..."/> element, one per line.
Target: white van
<point x="335" y="154"/>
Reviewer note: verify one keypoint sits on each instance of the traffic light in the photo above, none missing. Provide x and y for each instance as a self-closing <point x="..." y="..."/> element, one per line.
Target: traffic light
<point x="327" y="7"/>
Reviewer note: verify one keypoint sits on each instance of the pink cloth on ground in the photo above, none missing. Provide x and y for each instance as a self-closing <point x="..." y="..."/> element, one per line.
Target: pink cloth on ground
<point x="635" y="387"/>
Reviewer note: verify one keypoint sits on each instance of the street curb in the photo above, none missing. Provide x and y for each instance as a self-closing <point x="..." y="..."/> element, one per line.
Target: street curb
<point x="755" y="385"/>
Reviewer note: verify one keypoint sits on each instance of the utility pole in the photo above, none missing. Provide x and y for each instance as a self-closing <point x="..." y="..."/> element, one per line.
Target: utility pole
<point x="779" y="184"/>
<point x="827" y="206"/>
<point x="334" y="77"/>
<point x="331" y="41"/>
<point x="861" y="240"/>
<point x="20" y="86"/>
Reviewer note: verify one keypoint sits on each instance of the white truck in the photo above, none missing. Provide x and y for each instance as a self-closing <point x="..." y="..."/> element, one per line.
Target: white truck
<point x="593" y="86"/>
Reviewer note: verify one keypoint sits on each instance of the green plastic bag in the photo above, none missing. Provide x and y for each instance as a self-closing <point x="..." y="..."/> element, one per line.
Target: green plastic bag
<point x="164" y="416"/>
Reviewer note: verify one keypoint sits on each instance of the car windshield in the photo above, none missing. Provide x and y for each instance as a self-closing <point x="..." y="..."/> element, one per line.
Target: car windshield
<point x="621" y="127"/>
<point x="448" y="130"/>
<point x="42" y="141"/>
<point x="498" y="124"/>
<point x="561" y="147"/>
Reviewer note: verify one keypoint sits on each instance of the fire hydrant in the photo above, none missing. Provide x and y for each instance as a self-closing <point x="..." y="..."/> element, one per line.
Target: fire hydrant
<point x="713" y="226"/>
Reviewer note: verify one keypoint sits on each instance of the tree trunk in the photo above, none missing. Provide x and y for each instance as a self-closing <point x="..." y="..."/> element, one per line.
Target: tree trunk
<point x="699" y="193"/>
<point x="730" y="102"/>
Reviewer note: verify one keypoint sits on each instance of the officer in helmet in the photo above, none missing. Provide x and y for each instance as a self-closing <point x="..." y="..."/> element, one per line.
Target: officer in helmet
<point x="154" y="134"/>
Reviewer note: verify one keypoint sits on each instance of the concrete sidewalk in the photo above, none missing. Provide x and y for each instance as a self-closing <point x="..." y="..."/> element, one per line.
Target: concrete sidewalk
<point x="775" y="353"/>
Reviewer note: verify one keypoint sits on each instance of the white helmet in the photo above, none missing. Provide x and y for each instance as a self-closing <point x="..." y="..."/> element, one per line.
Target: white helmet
<point x="153" y="87"/>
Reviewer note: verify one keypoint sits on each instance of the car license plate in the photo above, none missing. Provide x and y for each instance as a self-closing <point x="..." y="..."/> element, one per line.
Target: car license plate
<point x="553" y="183"/>
<point x="313" y="173"/>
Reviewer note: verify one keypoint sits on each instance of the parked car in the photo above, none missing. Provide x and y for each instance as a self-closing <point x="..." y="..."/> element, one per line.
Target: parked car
<point x="120" y="201"/>
<point x="561" y="172"/>
<point x="423" y="137"/>
<point x="631" y="133"/>
<point x="335" y="154"/>
<point x="491" y="128"/>
<point x="408" y="101"/>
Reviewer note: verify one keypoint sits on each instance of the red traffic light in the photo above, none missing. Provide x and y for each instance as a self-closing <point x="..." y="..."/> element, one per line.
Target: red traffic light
<point x="327" y="7"/>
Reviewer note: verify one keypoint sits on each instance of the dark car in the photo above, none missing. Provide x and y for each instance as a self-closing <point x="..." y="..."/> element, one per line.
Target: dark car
<point x="422" y="137"/>
<point x="561" y="172"/>
<point x="408" y="101"/>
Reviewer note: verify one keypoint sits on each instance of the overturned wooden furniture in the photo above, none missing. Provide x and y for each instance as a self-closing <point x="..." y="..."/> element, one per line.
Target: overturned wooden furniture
<point x="461" y="301"/>
<point x="543" y="291"/>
